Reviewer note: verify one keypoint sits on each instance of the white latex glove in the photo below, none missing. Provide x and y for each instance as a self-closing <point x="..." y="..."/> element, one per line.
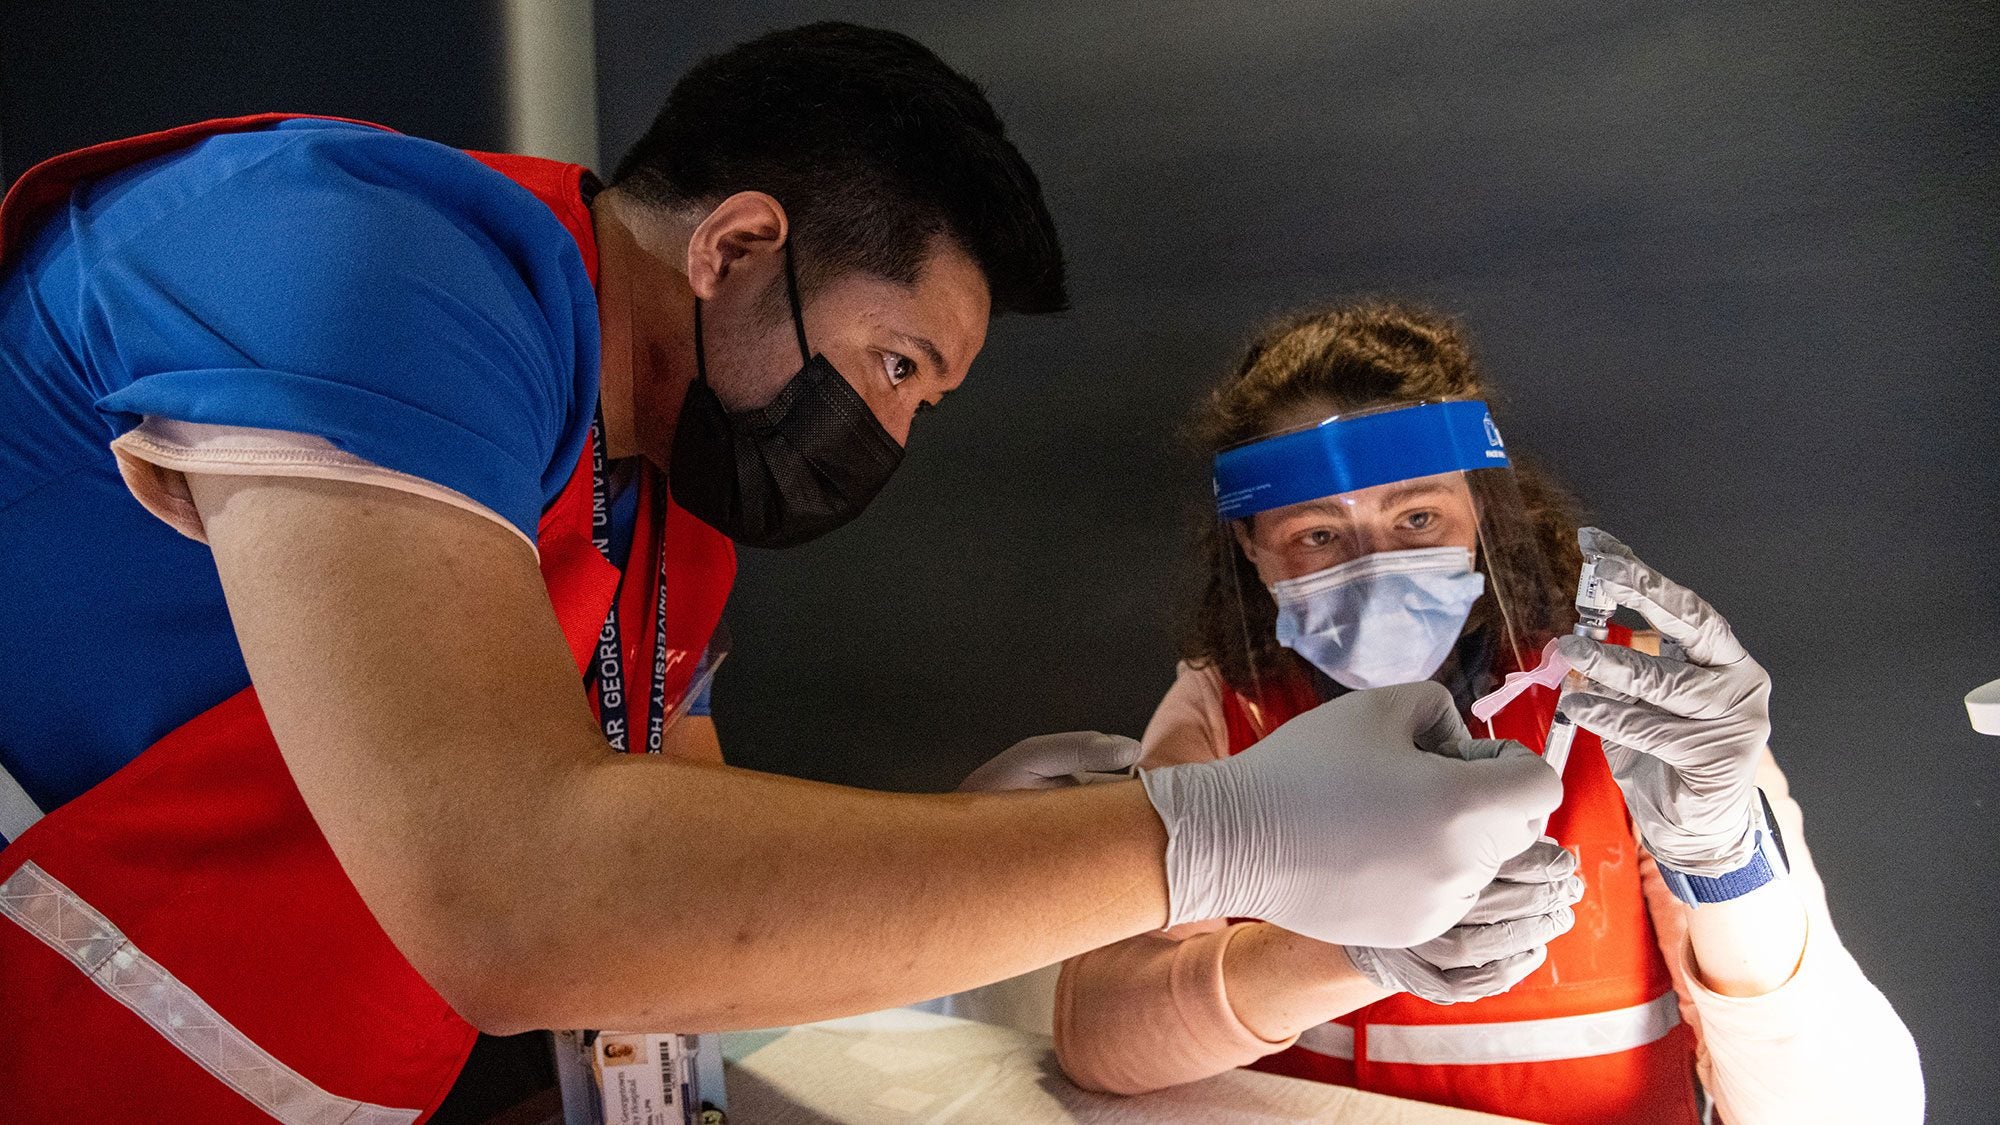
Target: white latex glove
<point x="1683" y="737"/>
<point x="1051" y="761"/>
<point x="1496" y="946"/>
<point x="1351" y="824"/>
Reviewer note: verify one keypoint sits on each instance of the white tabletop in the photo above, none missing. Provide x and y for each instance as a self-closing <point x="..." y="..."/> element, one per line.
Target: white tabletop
<point x="900" y="1066"/>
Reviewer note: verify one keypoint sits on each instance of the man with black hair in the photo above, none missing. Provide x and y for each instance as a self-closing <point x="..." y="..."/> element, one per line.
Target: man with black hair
<point x="332" y="457"/>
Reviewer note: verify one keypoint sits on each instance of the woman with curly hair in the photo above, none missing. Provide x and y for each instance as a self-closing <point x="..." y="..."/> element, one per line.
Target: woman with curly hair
<point x="1655" y="956"/>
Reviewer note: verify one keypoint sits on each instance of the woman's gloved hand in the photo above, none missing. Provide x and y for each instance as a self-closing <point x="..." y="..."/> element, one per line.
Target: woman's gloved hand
<point x="1683" y="737"/>
<point x="1052" y="761"/>
<point x="1360" y="822"/>
<point x="1496" y="946"/>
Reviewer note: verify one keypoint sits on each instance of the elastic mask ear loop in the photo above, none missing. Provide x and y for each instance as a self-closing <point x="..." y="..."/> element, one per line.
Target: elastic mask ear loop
<point x="1498" y="593"/>
<point x="700" y="355"/>
<point x="1483" y="561"/>
<point x="798" y="307"/>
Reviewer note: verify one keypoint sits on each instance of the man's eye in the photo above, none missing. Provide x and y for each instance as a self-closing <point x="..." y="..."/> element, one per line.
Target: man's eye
<point x="897" y="367"/>
<point x="1317" y="537"/>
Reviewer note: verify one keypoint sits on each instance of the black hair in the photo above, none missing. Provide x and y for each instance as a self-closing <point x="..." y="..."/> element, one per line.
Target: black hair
<point x="873" y="146"/>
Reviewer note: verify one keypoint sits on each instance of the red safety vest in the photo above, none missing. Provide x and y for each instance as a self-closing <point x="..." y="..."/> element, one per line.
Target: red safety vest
<point x="179" y="942"/>
<point x="1592" y="1036"/>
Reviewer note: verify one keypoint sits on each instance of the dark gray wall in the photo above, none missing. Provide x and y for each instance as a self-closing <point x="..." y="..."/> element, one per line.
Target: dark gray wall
<point x="76" y="72"/>
<point x="1733" y="264"/>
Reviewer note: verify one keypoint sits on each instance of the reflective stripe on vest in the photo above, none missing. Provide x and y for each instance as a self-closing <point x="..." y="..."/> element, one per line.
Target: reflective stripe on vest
<point x="18" y="811"/>
<point x="1334" y="1040"/>
<point x="1521" y="1041"/>
<point x="64" y="922"/>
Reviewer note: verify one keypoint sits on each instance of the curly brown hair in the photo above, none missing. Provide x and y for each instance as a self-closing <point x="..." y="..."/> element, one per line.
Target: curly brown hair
<point x="1354" y="357"/>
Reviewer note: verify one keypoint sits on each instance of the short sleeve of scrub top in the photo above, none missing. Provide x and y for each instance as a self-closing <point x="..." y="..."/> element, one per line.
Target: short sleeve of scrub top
<point x="385" y="293"/>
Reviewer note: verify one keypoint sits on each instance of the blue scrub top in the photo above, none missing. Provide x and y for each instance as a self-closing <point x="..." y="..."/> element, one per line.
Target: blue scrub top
<point x="387" y="293"/>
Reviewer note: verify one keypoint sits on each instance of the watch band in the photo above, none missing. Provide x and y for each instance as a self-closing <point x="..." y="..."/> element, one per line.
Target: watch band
<point x="1767" y="862"/>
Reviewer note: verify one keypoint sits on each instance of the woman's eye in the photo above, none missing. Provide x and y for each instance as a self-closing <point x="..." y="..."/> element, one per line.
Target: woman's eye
<point x="1420" y="521"/>
<point x="897" y="367"/>
<point x="1317" y="537"/>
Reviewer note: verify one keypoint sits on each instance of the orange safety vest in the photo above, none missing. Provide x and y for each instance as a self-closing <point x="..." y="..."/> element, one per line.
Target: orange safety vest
<point x="179" y="942"/>
<point x="1592" y="1036"/>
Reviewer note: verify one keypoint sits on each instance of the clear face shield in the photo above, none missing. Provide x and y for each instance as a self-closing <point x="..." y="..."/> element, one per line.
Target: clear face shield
<point x="1381" y="546"/>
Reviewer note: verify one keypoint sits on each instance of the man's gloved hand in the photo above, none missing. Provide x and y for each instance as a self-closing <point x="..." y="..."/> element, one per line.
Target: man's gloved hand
<point x="1683" y="737"/>
<point x="1356" y="823"/>
<point x="1495" y="947"/>
<point x="1052" y="761"/>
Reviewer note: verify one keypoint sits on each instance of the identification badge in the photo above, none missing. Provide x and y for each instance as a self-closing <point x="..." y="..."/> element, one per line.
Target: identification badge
<point x="617" y="1078"/>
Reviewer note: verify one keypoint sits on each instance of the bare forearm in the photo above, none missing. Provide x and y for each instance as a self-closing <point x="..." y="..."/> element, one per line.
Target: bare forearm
<point x="428" y="708"/>
<point x="1161" y="1009"/>
<point x="702" y="897"/>
<point x="1281" y="983"/>
<point x="1750" y="945"/>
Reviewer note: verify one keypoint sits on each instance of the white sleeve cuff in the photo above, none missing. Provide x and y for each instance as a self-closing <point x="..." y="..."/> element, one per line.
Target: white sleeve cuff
<point x="155" y="457"/>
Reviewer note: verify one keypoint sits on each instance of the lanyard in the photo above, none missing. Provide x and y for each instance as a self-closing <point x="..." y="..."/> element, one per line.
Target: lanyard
<point x="612" y="703"/>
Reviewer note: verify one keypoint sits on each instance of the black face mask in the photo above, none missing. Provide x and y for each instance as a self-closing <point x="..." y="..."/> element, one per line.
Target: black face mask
<point x="786" y="472"/>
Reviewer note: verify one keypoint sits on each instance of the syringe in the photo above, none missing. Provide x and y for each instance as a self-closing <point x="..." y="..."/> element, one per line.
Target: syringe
<point x="1593" y="616"/>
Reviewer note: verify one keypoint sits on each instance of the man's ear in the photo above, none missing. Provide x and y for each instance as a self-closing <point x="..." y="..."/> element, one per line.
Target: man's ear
<point x="743" y="235"/>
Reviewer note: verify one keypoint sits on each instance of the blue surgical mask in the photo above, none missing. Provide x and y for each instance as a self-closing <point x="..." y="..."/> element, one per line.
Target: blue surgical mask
<point x="1386" y="618"/>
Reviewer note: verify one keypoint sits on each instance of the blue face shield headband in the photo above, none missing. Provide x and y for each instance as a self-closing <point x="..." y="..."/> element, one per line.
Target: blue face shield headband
<point x="1355" y="451"/>
<point x="1389" y="617"/>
